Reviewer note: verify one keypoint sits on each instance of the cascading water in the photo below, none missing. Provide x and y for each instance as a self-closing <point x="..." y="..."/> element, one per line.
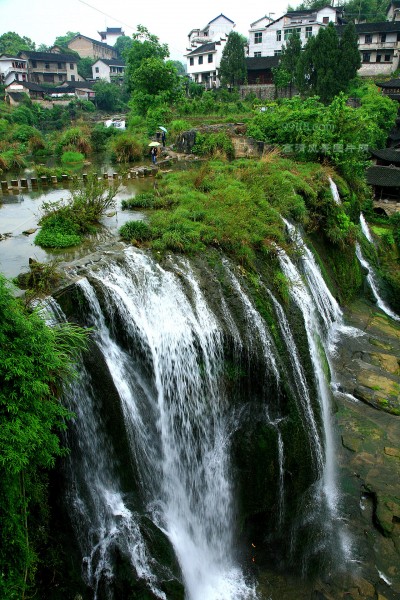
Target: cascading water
<point x="177" y="420"/>
<point x="373" y="284"/>
<point x="335" y="191"/>
<point x="365" y="229"/>
<point x="319" y="308"/>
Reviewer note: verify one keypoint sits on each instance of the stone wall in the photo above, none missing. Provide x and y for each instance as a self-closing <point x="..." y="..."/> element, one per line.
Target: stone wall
<point x="266" y="91"/>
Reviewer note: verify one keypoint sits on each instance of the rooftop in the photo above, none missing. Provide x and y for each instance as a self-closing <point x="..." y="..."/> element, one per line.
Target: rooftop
<point x="50" y="56"/>
<point x="262" y="62"/>
<point x="111" y="62"/>
<point x="383" y="176"/>
<point x="388" y="154"/>
<point x="203" y="49"/>
<point x="103" y="44"/>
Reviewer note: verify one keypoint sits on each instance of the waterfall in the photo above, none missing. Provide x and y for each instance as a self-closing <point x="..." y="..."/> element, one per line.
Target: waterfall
<point x="335" y="191"/>
<point x="365" y="229"/>
<point x="373" y="284"/>
<point x="176" y="416"/>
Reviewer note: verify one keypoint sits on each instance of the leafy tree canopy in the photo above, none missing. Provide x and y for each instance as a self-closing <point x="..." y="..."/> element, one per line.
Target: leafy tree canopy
<point x="63" y="40"/>
<point x="145" y="45"/>
<point x="233" y="62"/>
<point x="12" y="43"/>
<point x="85" y="67"/>
<point x="108" y="95"/>
<point x="123" y="45"/>
<point x="180" y="67"/>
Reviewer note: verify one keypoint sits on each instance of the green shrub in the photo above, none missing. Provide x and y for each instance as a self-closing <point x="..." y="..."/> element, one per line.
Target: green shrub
<point x="68" y="158"/>
<point x="135" y="231"/>
<point x="211" y="144"/>
<point x="11" y="160"/>
<point x="23" y="133"/>
<point x="58" y="231"/>
<point x="100" y="136"/>
<point x="75" y="138"/>
<point x="126" y="148"/>
<point x="143" y="200"/>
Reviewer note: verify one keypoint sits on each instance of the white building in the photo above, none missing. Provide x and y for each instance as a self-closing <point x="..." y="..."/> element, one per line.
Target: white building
<point x="110" y="35"/>
<point x="205" y="52"/>
<point x="12" y="69"/>
<point x="111" y="70"/>
<point x="267" y="38"/>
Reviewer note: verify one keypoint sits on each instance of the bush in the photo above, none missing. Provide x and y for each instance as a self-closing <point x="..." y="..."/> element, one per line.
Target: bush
<point x="11" y="160"/>
<point x="135" y="231"/>
<point x="100" y="135"/>
<point x="210" y="144"/>
<point x="58" y="231"/>
<point x="76" y="138"/>
<point x="69" y="158"/>
<point x="143" y="200"/>
<point x="23" y="133"/>
<point x="126" y="148"/>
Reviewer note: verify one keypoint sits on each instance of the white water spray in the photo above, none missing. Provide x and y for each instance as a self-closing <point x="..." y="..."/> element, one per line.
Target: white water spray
<point x="335" y="191"/>
<point x="365" y="229"/>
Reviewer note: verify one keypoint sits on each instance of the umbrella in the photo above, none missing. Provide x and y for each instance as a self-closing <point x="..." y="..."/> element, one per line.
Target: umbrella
<point x="154" y="144"/>
<point x="162" y="128"/>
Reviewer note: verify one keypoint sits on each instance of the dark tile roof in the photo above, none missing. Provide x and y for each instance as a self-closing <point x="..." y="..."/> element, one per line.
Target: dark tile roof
<point x="262" y="62"/>
<point x="111" y="62"/>
<point x="203" y="49"/>
<point x="50" y="56"/>
<point x="221" y="15"/>
<point x="391" y="84"/>
<point x="383" y="176"/>
<point x="112" y="30"/>
<point x="17" y="96"/>
<point x="380" y="27"/>
<point x="93" y="41"/>
<point x="30" y="85"/>
<point x="394" y="134"/>
<point x="388" y="154"/>
<point x="76" y="84"/>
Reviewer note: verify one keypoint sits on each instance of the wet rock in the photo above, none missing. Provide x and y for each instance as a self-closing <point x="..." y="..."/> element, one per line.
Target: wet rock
<point x="30" y="231"/>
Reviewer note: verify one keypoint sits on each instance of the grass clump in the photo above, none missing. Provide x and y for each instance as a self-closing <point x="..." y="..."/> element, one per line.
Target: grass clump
<point x="126" y="148"/>
<point x="213" y="144"/>
<point x="142" y="200"/>
<point x="58" y="231"/>
<point x="136" y="231"/>
<point x="72" y="158"/>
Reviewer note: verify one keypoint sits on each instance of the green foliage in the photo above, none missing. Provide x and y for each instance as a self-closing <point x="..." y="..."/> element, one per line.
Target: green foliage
<point x="233" y="70"/>
<point x="63" y="40"/>
<point x="285" y="74"/>
<point x="35" y="360"/>
<point x="126" y="148"/>
<point x="10" y="160"/>
<point x="155" y="82"/>
<point x="144" y="46"/>
<point x="135" y="231"/>
<point x="23" y="133"/>
<point x="143" y="200"/>
<point x="12" y="43"/>
<point x="123" y="46"/>
<point x="160" y="115"/>
<point x="75" y="138"/>
<point x="85" y="67"/>
<point x="23" y="115"/>
<point x="100" y="136"/>
<point x="68" y="158"/>
<point x="109" y="96"/>
<point x="211" y="144"/>
<point x="64" y="222"/>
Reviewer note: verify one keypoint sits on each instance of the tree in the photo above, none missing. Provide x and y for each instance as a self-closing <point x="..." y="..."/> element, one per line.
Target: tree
<point x="233" y="69"/>
<point x="350" y="60"/>
<point x="154" y="83"/>
<point x="108" y="95"/>
<point x="12" y="43"/>
<point x="318" y="66"/>
<point x="180" y="67"/>
<point x="123" y="45"/>
<point x="285" y="75"/>
<point x="144" y="46"/>
<point x="85" y="67"/>
<point x="63" y="40"/>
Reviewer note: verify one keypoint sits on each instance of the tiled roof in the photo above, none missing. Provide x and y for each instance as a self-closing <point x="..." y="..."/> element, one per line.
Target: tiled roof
<point x="391" y="84"/>
<point x="388" y="154"/>
<point x="17" y="96"/>
<point x="380" y="27"/>
<point x="261" y="62"/>
<point x="383" y="176"/>
<point x="221" y="15"/>
<point x="111" y="62"/>
<point x="50" y="56"/>
<point x="103" y="44"/>
<point x="203" y="49"/>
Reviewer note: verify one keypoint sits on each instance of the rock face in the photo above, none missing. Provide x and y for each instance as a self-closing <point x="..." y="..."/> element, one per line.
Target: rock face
<point x="369" y="457"/>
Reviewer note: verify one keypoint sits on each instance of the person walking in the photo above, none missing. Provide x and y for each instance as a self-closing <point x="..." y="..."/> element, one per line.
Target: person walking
<point x="153" y="153"/>
<point x="163" y="136"/>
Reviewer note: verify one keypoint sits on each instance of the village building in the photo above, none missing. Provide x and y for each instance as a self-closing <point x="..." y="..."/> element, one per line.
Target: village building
<point x="50" y="67"/>
<point x="393" y="11"/>
<point x="12" y="68"/>
<point x="87" y="47"/>
<point x="110" y="35"/>
<point x="259" y="70"/>
<point x="205" y="51"/>
<point x="111" y="70"/>
<point x="16" y="91"/>
<point x="267" y="37"/>
<point x="391" y="88"/>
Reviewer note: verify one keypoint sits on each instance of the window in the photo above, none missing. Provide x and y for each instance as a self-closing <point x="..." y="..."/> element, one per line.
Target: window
<point x="308" y="32"/>
<point x="48" y="78"/>
<point x="366" y="58"/>
<point x="287" y="34"/>
<point x="325" y="20"/>
<point x="388" y="58"/>
<point x="59" y="65"/>
<point x="258" y="37"/>
<point x="378" y="58"/>
<point x="257" y="54"/>
<point x="47" y="66"/>
<point x="60" y="78"/>
<point x="279" y="35"/>
<point x="382" y="37"/>
<point x="34" y="64"/>
<point x="72" y="77"/>
<point x="200" y="60"/>
<point x="191" y="62"/>
<point x="210" y="58"/>
<point x="368" y="38"/>
<point x="277" y="52"/>
<point x="97" y="69"/>
<point x="71" y="66"/>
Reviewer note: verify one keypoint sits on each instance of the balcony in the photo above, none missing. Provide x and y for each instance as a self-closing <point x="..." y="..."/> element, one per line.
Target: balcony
<point x="15" y="70"/>
<point x="378" y="45"/>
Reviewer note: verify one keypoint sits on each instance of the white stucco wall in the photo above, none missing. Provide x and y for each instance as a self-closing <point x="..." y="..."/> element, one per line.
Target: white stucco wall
<point x="103" y="71"/>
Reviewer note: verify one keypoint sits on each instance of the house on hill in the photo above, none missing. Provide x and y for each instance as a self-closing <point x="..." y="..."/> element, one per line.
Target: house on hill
<point x="50" y="67"/>
<point x="205" y="51"/>
<point x="111" y="70"/>
<point x="87" y="47"/>
<point x="110" y="35"/>
<point x="12" y="68"/>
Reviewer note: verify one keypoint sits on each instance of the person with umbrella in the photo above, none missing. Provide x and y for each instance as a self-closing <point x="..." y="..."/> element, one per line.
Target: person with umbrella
<point x="163" y="135"/>
<point x="153" y="151"/>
